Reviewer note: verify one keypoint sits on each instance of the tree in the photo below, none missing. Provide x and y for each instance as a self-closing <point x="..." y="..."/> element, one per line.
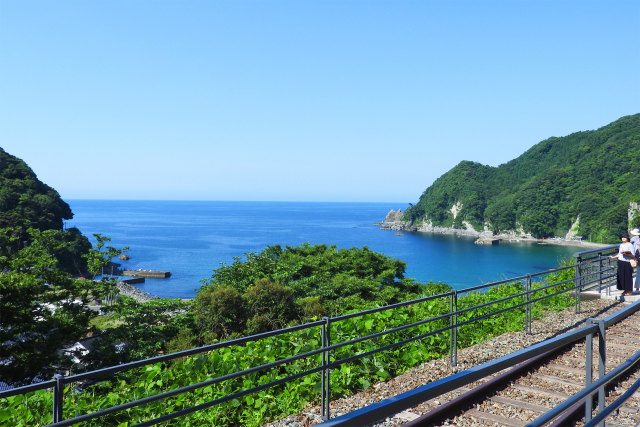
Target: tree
<point x="310" y="270"/>
<point x="25" y="201"/>
<point x="98" y="257"/>
<point x="277" y="287"/>
<point x="41" y="307"/>
<point x="271" y="306"/>
<point x="220" y="312"/>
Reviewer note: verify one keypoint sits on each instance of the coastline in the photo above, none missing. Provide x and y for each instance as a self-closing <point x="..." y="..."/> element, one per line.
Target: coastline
<point x="558" y="241"/>
<point x="487" y="237"/>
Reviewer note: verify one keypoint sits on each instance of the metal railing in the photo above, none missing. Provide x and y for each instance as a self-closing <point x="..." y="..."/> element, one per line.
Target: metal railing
<point x="592" y="270"/>
<point x="596" y="267"/>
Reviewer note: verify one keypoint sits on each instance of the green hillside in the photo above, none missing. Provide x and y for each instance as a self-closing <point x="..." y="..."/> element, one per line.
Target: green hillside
<point x="591" y="175"/>
<point x="25" y="200"/>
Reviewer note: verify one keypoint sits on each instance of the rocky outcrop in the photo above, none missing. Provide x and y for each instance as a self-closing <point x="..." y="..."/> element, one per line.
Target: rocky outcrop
<point x="394" y="221"/>
<point x="633" y="211"/>
<point x="428" y="227"/>
<point x="394" y="216"/>
<point x="487" y="238"/>
<point x="455" y="209"/>
<point x="573" y="230"/>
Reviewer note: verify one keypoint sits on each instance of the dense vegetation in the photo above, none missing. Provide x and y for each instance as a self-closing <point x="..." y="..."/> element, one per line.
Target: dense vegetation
<point x="278" y="286"/>
<point x="27" y="203"/>
<point x="25" y="200"/>
<point x="291" y="397"/>
<point x="42" y="307"/>
<point x="591" y="175"/>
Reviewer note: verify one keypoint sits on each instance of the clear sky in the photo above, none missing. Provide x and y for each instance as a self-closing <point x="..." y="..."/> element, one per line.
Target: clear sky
<point x="351" y="100"/>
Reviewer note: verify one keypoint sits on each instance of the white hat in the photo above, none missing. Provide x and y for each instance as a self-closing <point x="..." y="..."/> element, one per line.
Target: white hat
<point x="635" y="232"/>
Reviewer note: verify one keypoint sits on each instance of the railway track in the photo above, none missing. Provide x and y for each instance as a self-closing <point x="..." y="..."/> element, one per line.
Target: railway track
<point x="515" y="398"/>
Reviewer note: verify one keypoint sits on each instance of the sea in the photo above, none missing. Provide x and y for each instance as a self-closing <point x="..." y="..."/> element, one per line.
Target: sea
<point x="193" y="238"/>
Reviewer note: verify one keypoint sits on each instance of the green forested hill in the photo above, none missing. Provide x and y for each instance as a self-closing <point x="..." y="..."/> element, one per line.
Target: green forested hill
<point x="25" y="200"/>
<point x="590" y="175"/>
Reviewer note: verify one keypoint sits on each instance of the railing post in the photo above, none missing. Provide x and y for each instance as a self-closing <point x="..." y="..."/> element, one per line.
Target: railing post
<point x="600" y="271"/>
<point x="608" y="284"/>
<point x="602" y="360"/>
<point x="588" y="403"/>
<point x="578" y="283"/>
<point x="528" y="310"/>
<point x="325" y="381"/>
<point x="58" y="396"/>
<point x="453" y="332"/>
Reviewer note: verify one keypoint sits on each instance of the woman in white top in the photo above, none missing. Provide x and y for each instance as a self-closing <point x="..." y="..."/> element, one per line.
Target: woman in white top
<point x="624" y="279"/>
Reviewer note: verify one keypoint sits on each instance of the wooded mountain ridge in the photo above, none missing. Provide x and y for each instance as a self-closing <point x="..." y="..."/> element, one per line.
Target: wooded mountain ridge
<point x="586" y="181"/>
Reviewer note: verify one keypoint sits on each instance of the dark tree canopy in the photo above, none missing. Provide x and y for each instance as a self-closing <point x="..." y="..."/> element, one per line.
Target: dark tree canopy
<point x="25" y="201"/>
<point x="280" y="286"/>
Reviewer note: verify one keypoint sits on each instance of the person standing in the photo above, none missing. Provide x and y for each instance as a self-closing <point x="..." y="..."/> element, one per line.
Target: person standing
<point x="624" y="278"/>
<point x="635" y="241"/>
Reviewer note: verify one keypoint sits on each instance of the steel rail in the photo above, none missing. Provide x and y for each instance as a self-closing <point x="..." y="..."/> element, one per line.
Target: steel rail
<point x="468" y="399"/>
<point x="387" y="407"/>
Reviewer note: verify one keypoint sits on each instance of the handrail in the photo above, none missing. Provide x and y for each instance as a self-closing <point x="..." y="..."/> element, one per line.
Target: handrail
<point x="389" y="307"/>
<point x="325" y="348"/>
<point x="184" y="353"/>
<point x="597" y="250"/>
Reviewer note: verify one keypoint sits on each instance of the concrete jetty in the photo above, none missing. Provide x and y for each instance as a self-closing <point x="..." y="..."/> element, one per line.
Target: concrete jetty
<point x="151" y="274"/>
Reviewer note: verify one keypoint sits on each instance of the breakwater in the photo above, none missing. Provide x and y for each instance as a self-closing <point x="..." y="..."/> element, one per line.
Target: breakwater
<point x="152" y="274"/>
<point x="133" y="292"/>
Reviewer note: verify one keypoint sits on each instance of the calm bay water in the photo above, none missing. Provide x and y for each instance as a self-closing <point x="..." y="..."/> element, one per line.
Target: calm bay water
<point x="191" y="239"/>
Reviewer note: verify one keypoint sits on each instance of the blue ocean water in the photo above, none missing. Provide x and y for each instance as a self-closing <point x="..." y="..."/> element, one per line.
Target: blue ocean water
<point x="192" y="238"/>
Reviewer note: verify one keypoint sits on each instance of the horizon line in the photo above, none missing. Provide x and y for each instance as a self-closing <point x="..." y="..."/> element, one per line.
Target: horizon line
<point x="227" y="201"/>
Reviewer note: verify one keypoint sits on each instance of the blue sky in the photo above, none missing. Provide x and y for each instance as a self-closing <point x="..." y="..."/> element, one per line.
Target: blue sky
<point x="301" y="100"/>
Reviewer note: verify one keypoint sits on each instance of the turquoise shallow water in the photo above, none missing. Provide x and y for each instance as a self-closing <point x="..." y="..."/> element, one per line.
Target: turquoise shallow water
<point x="191" y="239"/>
